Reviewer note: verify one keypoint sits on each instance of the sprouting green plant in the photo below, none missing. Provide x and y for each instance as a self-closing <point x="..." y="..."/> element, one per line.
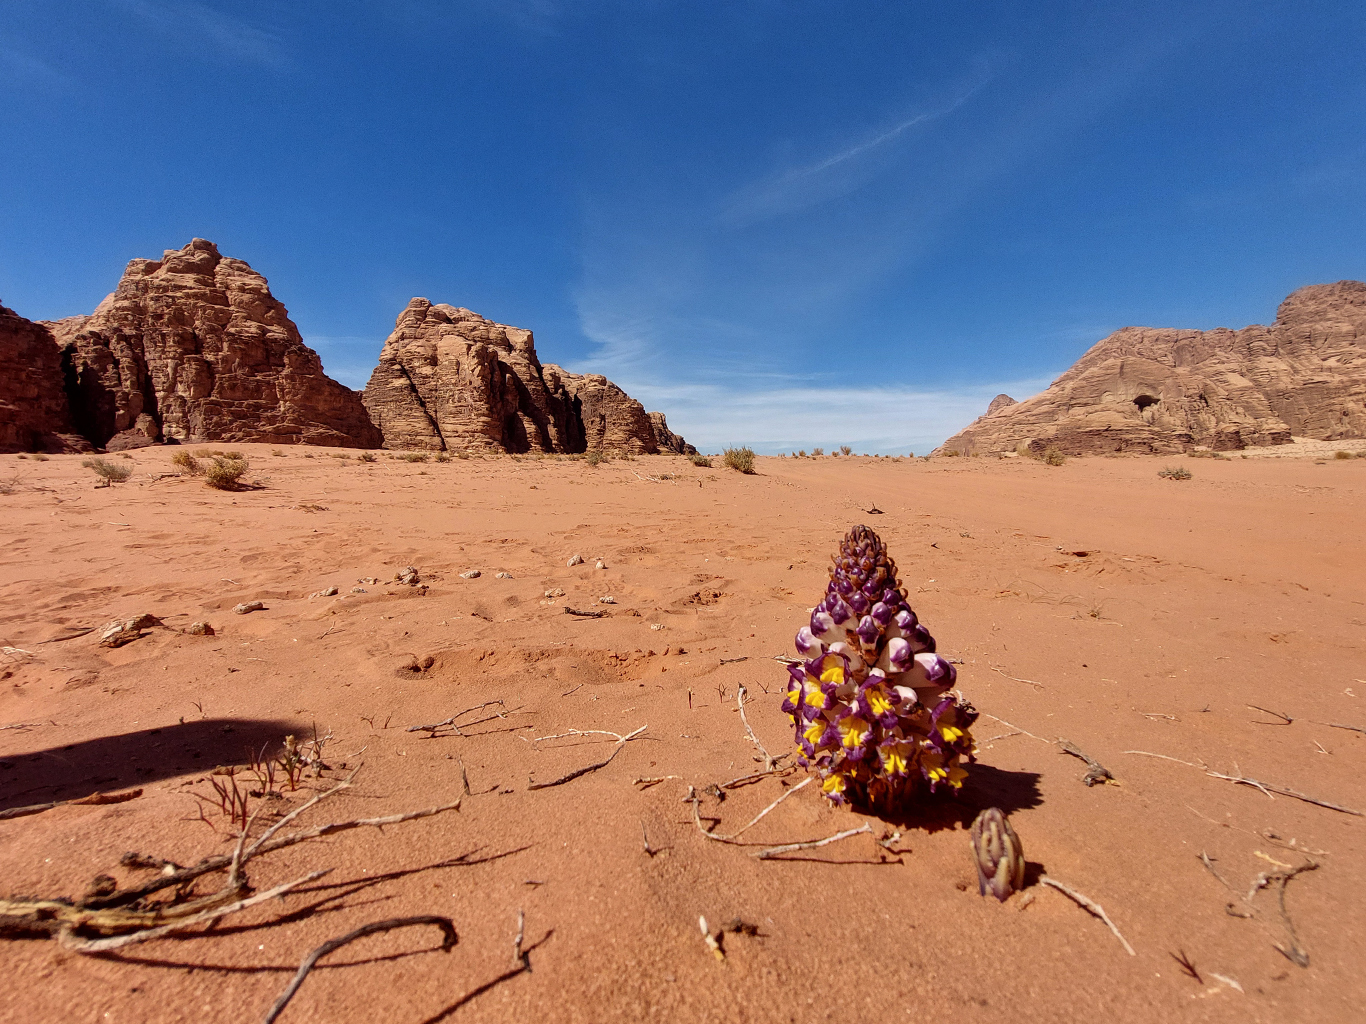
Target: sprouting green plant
<point x="741" y="459"/>
<point x="109" y="472"/>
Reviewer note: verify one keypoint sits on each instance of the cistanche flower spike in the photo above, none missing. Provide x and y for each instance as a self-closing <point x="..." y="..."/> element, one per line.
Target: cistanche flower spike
<point x="997" y="852"/>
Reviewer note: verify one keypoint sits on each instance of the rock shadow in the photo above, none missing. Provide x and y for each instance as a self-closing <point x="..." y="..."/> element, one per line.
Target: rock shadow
<point x="75" y="770"/>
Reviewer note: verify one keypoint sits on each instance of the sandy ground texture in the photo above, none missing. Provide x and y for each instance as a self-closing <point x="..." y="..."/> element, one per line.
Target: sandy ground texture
<point x="1093" y="601"/>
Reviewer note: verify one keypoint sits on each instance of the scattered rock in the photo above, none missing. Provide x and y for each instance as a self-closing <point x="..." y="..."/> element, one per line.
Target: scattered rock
<point x="359" y="590"/>
<point x="118" y="633"/>
<point x="409" y="577"/>
<point x="557" y="592"/>
<point x="503" y="576"/>
<point x="473" y="574"/>
<point x="204" y="629"/>
<point x="656" y="625"/>
<point x="144" y="621"/>
<point x="576" y="560"/>
<point x="325" y="592"/>
<point x="368" y="581"/>
<point x="599" y="565"/>
<point x="609" y="599"/>
<point x="249" y="606"/>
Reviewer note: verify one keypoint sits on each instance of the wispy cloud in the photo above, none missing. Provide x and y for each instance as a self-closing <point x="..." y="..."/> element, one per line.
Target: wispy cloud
<point x="875" y="420"/>
<point x="23" y="68"/>
<point x="199" y="22"/>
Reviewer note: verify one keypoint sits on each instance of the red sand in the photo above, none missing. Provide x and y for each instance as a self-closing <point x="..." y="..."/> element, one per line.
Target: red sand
<point x="1150" y="613"/>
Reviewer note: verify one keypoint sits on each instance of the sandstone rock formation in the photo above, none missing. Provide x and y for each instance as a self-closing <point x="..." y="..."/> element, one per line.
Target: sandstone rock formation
<point x="34" y="415"/>
<point x="666" y="439"/>
<point x="448" y="379"/>
<point x="193" y="347"/>
<point x="1166" y="390"/>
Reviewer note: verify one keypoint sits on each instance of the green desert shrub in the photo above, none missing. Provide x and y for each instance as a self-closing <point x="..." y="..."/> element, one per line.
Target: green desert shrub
<point x="741" y="459"/>
<point x="700" y="460"/>
<point x="109" y="472"/>
<point x="1174" y="473"/>
<point x="225" y="473"/>
<point x="594" y="457"/>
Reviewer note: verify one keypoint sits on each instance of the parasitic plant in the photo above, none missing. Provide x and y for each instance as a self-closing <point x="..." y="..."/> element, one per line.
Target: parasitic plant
<point x="870" y="702"/>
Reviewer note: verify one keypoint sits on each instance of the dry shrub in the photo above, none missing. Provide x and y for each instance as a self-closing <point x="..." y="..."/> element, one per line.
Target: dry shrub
<point x="1053" y="457"/>
<point x="846" y="450"/>
<point x="1342" y="455"/>
<point x="741" y="459"/>
<point x="225" y="473"/>
<point x="700" y="460"/>
<point x="109" y="472"/>
<point x="817" y="451"/>
<point x="594" y="457"/>
<point x="40" y="457"/>
<point x="1174" y="473"/>
<point x="183" y="460"/>
<point x="442" y="457"/>
<point x="277" y="454"/>
<point x="366" y="456"/>
<point x="414" y="457"/>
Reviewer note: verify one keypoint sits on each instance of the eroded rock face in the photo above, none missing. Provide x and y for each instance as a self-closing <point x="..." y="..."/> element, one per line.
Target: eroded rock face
<point x="193" y="347"/>
<point x="666" y="439"/>
<point x="448" y="379"/>
<point x="34" y="415"/>
<point x="1165" y="390"/>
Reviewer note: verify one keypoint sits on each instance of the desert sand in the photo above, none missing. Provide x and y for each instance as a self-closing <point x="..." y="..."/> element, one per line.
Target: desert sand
<point x="1093" y="601"/>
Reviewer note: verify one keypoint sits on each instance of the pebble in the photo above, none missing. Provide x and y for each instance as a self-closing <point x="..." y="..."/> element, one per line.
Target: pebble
<point x="410" y="577"/>
<point x="609" y="599"/>
<point x="359" y="590"/>
<point x="600" y="565"/>
<point x="200" y="629"/>
<point x="249" y="606"/>
<point x="557" y="592"/>
<point x="325" y="592"/>
<point x="473" y="574"/>
<point x="503" y="576"/>
<point x="656" y="625"/>
<point x="576" y="560"/>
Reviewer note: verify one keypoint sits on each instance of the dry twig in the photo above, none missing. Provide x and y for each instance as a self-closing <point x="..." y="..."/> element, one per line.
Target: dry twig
<point x="93" y="798"/>
<point x="697" y="817"/>
<point x="1265" y="787"/>
<point x="621" y="742"/>
<point x="778" y="851"/>
<point x="431" y="729"/>
<point x="1089" y="904"/>
<point x="448" y="940"/>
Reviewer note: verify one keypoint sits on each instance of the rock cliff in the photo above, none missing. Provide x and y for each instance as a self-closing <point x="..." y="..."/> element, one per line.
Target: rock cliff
<point x="34" y="414"/>
<point x="1165" y="390"/>
<point x="448" y="379"/>
<point x="666" y="439"/>
<point x="193" y="347"/>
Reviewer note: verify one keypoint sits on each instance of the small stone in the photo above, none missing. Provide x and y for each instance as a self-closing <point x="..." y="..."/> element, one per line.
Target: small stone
<point x="576" y="560"/>
<point x="249" y="606"/>
<point x="473" y="574"/>
<point x="503" y="576"/>
<point x="116" y="634"/>
<point x="599" y="565"/>
<point x="359" y="590"/>
<point x="325" y="592"/>
<point x="656" y="625"/>
<point x="368" y="580"/>
<point x="609" y="599"/>
<point x="144" y="621"/>
<point x="408" y="577"/>
<point x="200" y="629"/>
<point x="557" y="592"/>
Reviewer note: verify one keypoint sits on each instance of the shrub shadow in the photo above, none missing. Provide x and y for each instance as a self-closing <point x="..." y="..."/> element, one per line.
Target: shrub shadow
<point x="985" y="786"/>
<point x="75" y="770"/>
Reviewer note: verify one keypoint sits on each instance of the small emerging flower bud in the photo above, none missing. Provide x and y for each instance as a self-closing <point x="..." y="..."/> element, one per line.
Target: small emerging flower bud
<point x="997" y="852"/>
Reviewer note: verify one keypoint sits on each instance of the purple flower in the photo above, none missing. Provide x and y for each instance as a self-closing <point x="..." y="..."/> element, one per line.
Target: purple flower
<point x="806" y="640"/>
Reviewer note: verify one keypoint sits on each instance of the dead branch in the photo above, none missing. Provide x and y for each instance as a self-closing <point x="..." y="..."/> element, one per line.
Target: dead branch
<point x="448" y="940"/>
<point x="93" y="798"/>
<point x="778" y="851"/>
<point x="1338" y="725"/>
<point x="653" y="780"/>
<point x="431" y="729"/>
<point x="519" y="960"/>
<point x="583" y="614"/>
<point x="1090" y="905"/>
<point x="1032" y="682"/>
<point x="756" y="776"/>
<point x="1265" y="787"/>
<point x="1095" y="771"/>
<point x="697" y="817"/>
<point x="621" y="742"/>
<point x="1296" y="953"/>
<point x="1205" y="860"/>
<point x="734" y="661"/>
<point x="1010" y="725"/>
<point x="1284" y="718"/>
<point x="770" y="762"/>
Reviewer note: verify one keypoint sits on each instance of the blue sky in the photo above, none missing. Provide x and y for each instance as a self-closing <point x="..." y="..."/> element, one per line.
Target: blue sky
<point x="784" y="224"/>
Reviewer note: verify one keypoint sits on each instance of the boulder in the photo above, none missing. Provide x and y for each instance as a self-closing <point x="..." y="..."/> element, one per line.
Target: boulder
<point x="34" y="413"/>
<point x="1164" y="390"/>
<point x="665" y="439"/>
<point x="194" y="347"/>
<point x="450" y="380"/>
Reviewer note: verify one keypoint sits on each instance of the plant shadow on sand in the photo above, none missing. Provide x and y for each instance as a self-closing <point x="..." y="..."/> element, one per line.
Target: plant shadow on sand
<point x="76" y="770"/>
<point x="984" y="787"/>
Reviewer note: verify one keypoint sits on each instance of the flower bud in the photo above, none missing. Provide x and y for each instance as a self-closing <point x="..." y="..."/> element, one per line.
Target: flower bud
<point x="997" y="852"/>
